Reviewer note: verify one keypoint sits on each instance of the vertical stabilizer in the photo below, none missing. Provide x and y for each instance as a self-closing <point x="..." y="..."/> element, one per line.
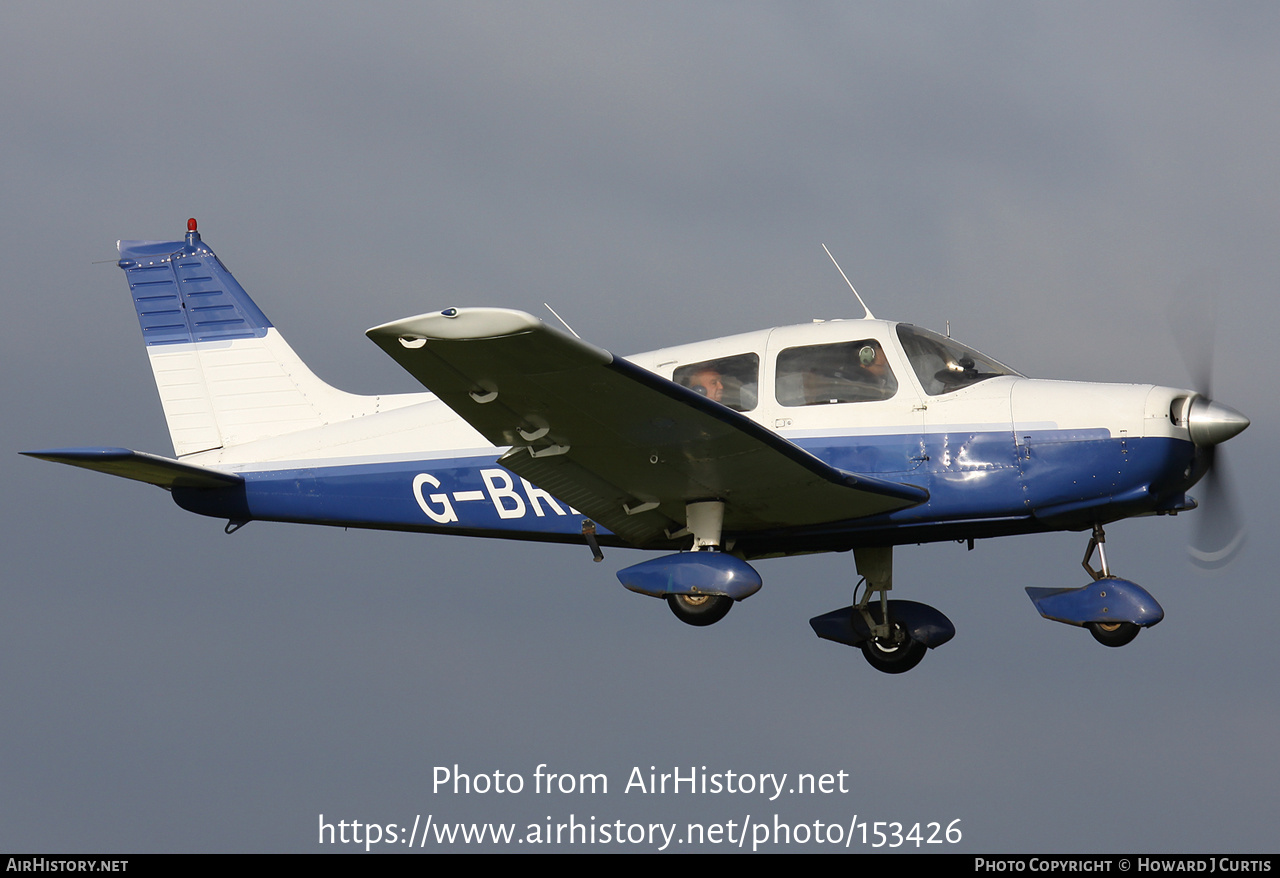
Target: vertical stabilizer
<point x="225" y="375"/>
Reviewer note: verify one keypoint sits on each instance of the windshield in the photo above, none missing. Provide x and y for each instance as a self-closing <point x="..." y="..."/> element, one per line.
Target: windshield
<point x="943" y="364"/>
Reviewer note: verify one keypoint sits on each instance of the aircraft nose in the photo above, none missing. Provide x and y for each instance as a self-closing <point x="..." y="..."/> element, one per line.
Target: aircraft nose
<point x="1210" y="423"/>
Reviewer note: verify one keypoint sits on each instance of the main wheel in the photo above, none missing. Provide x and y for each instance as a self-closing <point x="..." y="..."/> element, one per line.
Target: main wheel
<point x="1113" y="633"/>
<point x="895" y="656"/>
<point x="699" y="609"/>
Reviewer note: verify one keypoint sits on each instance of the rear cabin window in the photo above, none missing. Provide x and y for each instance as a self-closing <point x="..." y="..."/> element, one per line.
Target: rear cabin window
<point x="732" y="381"/>
<point x="825" y="374"/>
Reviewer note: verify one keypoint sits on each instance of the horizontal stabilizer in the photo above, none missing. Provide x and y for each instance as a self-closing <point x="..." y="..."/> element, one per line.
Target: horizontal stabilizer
<point x="140" y="467"/>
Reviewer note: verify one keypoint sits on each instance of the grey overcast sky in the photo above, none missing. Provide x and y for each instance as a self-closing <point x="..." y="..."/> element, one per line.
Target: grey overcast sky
<point x="1045" y="176"/>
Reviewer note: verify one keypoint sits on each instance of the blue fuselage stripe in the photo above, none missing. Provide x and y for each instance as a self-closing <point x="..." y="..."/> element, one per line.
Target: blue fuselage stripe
<point x="969" y="476"/>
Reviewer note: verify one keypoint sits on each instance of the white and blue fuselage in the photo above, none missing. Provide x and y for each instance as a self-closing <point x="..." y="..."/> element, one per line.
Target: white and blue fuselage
<point x="997" y="453"/>
<point x="846" y="434"/>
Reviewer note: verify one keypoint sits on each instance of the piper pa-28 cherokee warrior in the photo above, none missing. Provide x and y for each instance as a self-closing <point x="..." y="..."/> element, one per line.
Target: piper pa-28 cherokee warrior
<point x="857" y="434"/>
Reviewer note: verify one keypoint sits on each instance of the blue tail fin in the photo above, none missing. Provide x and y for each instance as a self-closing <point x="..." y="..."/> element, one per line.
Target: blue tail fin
<point x="183" y="293"/>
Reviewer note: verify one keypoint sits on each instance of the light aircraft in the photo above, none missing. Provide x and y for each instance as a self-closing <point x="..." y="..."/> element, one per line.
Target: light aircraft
<point x="857" y="434"/>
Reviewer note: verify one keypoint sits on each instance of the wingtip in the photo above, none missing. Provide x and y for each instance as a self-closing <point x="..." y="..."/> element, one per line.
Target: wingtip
<point x="454" y="324"/>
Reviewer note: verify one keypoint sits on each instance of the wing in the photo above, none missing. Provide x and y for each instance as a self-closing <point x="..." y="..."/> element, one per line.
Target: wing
<point x="620" y="444"/>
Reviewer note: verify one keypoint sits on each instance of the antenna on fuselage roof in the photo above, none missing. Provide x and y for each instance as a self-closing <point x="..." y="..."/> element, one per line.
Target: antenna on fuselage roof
<point x="868" y="315"/>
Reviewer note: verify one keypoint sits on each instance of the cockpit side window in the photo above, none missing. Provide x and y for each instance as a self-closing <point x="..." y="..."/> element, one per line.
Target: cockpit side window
<point x="853" y="371"/>
<point x="731" y="381"/>
<point x="943" y="364"/>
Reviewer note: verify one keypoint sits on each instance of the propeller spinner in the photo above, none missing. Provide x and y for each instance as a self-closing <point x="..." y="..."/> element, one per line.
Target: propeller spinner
<point x="1219" y="529"/>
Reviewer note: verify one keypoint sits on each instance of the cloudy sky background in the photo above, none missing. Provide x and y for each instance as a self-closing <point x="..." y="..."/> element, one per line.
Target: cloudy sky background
<point x="1046" y="177"/>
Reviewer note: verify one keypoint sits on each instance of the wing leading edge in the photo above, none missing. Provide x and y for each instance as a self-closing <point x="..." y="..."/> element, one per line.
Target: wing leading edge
<point x="624" y="446"/>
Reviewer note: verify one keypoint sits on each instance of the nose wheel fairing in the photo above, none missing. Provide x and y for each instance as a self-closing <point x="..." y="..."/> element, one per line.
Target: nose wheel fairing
<point x="1105" y="601"/>
<point x="1114" y="610"/>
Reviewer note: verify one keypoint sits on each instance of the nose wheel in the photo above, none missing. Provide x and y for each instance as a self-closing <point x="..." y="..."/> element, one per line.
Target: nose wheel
<point x="1113" y="633"/>
<point x="1113" y="610"/>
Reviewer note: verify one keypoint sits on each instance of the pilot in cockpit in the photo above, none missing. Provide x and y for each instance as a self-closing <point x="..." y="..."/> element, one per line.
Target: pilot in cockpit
<point x="845" y="372"/>
<point x="874" y="371"/>
<point x="707" y="382"/>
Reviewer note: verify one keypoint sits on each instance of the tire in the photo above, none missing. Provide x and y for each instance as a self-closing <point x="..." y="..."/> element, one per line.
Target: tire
<point x="699" y="610"/>
<point x="1113" y="633"/>
<point x="894" y="658"/>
